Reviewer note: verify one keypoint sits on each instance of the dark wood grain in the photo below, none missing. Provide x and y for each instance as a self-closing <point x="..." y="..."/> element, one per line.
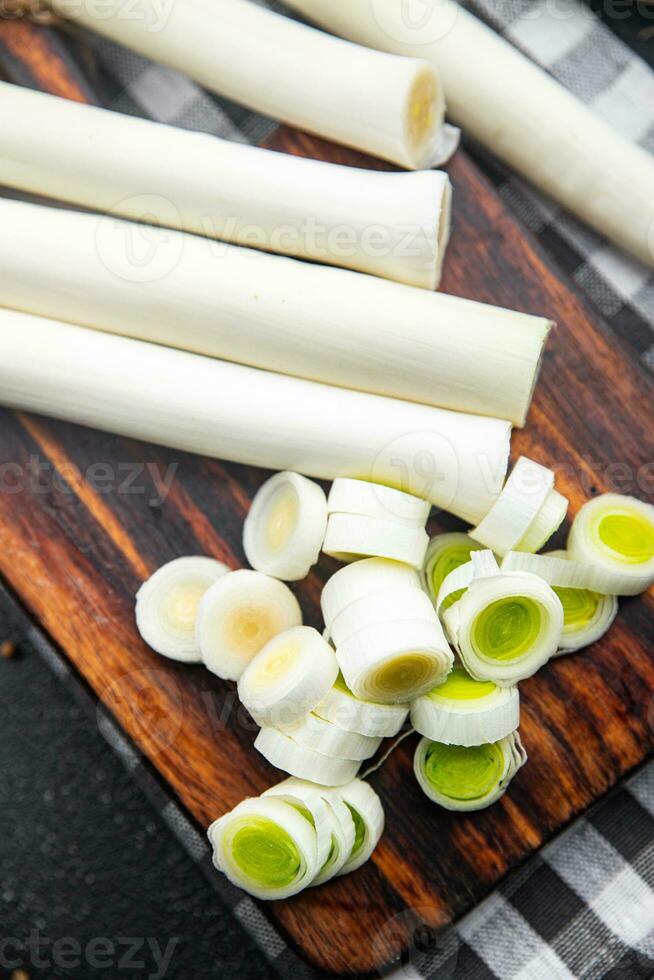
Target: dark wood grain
<point x="75" y="551"/>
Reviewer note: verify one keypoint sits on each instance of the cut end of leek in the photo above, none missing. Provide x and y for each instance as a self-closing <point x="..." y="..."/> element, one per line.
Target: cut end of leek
<point x="238" y="615"/>
<point x="167" y="605"/>
<point x="285" y="528"/>
<point x="583" y="590"/>
<point x="463" y="711"/>
<point x="267" y="847"/>
<point x="287" y="679"/>
<point x="393" y="663"/>
<point x="616" y="533"/>
<point x="505" y="626"/>
<point x="446" y="553"/>
<point x="467" y="778"/>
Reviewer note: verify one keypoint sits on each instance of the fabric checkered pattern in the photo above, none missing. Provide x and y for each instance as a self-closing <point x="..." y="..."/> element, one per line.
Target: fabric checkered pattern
<point x="584" y="907"/>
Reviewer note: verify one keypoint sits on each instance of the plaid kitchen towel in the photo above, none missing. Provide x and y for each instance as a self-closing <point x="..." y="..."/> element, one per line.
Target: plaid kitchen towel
<point x="584" y="907"/>
<point x="563" y="36"/>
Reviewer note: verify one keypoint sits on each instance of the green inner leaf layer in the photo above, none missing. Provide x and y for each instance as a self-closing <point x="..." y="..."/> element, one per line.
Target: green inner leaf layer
<point x="459" y="773"/>
<point x="631" y="536"/>
<point x="507" y="628"/>
<point x="266" y="853"/>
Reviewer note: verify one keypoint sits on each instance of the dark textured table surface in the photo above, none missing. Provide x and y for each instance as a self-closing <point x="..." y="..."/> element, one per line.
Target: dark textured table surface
<point x="92" y="883"/>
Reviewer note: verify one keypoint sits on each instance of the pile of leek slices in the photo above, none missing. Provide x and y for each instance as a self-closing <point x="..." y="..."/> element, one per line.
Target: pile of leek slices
<point x="432" y="636"/>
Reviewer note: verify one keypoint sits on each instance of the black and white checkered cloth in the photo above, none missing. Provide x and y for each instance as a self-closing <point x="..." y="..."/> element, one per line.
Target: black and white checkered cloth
<point x="584" y="908"/>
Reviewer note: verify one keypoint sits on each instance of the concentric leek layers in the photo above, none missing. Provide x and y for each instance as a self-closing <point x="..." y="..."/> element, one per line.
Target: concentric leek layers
<point x="238" y="615"/>
<point x="505" y="626"/>
<point x="446" y="552"/>
<point x="526" y="513"/>
<point x="267" y="847"/>
<point x="467" y="778"/>
<point x="167" y="605"/>
<point x="449" y="352"/>
<point x="285" y="526"/>
<point x="287" y="679"/>
<point x="221" y="189"/>
<point x="298" y="834"/>
<point x="389" y="106"/>
<point x="616" y="534"/>
<point x="394" y="662"/>
<point x="342" y="708"/>
<point x="329" y="804"/>
<point x="588" y="611"/>
<point x="225" y="410"/>
<point x="462" y="711"/>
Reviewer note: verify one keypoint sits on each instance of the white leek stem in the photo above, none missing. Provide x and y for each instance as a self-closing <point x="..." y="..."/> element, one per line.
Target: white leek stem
<point x="391" y="225"/>
<point x="238" y="413"/>
<point x="515" y="109"/>
<point x="326" y="324"/>
<point x="389" y="106"/>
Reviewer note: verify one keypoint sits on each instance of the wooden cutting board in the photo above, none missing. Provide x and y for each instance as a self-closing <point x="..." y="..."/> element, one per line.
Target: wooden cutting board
<point x="76" y="542"/>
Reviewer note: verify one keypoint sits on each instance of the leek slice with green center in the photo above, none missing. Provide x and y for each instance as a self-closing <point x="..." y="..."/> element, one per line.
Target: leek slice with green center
<point x="467" y="777"/>
<point x="463" y="711"/>
<point x="616" y="533"/>
<point x="267" y="847"/>
<point x="505" y="626"/>
<point x="588" y="611"/>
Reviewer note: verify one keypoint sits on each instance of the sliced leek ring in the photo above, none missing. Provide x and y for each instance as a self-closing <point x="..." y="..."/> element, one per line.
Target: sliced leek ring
<point x="446" y="553"/>
<point x="266" y="847"/>
<point x="392" y="663"/>
<point x="377" y="501"/>
<point x="282" y="752"/>
<point x="526" y="513"/>
<point x="588" y="612"/>
<point x="546" y="523"/>
<point x="616" y="533"/>
<point x="285" y="528"/>
<point x="238" y="615"/>
<point x="167" y="605"/>
<point x="342" y="708"/>
<point x="288" y="678"/>
<point x="463" y="711"/>
<point x="384" y="607"/>
<point x="368" y="815"/>
<point x="351" y="536"/>
<point x="364" y="578"/>
<point x="466" y="778"/>
<point x="505" y="626"/>
<point x="339" y="819"/>
<point x="323" y="736"/>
